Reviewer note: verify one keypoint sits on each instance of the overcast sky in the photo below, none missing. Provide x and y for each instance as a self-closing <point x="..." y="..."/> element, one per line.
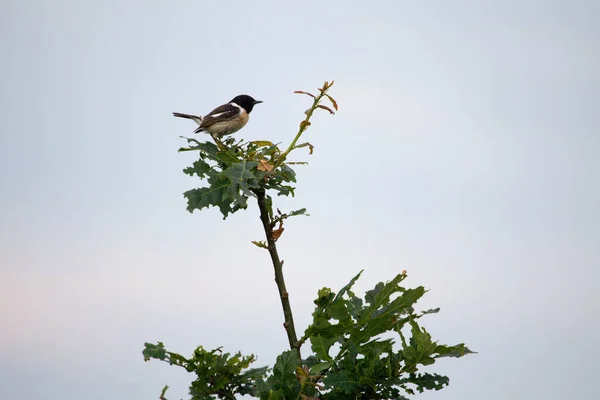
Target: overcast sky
<point x="466" y="151"/>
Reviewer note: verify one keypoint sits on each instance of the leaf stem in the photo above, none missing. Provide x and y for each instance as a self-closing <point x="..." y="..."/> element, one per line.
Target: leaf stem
<point x="278" y="266"/>
<point x="305" y="123"/>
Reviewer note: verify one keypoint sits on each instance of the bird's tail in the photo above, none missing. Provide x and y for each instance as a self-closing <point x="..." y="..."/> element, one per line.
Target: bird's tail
<point x="195" y="118"/>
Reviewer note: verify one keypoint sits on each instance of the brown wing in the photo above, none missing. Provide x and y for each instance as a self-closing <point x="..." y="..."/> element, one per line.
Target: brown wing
<point x="220" y="114"/>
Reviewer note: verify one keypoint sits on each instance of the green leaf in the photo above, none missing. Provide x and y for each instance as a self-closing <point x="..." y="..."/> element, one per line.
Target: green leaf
<point x="284" y="190"/>
<point x="207" y="148"/>
<point x="287" y="174"/>
<point x="340" y="380"/>
<point x="190" y="141"/>
<point x="262" y="244"/>
<point x="241" y="173"/>
<point x="339" y="311"/>
<point x="200" y="168"/>
<point x="419" y="350"/>
<point x="242" y="180"/>
<point x="207" y="197"/>
<point x="431" y="311"/>
<point x="254" y="373"/>
<point x="233" y="193"/>
<point x="282" y="381"/>
<point x="284" y="370"/>
<point x="428" y="381"/>
<point x="355" y="307"/>
<point x="262" y="388"/>
<point x="347" y="288"/>
<point x="228" y="157"/>
<point x="457" y="351"/>
<point x="156" y="351"/>
<point x="217" y="373"/>
<point x="277" y="395"/>
<point x="317" y="368"/>
<point x="321" y="344"/>
<point x="398" y="306"/>
<point x="183" y="149"/>
<point x="270" y="151"/>
<point x="380" y="295"/>
<point x="301" y="211"/>
<point x="321" y="326"/>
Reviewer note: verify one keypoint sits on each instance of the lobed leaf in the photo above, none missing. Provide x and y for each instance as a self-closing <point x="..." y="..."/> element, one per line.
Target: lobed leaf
<point x="341" y="381"/>
<point x="419" y="350"/>
<point x="320" y="345"/>
<point x="200" y="168"/>
<point x="210" y="197"/>
<point x="428" y="381"/>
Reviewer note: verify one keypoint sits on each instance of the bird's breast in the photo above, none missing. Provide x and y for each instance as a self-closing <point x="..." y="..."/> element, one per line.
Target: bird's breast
<point x="228" y="127"/>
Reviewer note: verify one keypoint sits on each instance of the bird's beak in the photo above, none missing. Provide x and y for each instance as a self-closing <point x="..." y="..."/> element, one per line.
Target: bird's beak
<point x="257" y="101"/>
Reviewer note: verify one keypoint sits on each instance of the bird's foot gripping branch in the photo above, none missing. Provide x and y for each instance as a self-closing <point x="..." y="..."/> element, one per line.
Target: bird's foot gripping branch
<point x="348" y="357"/>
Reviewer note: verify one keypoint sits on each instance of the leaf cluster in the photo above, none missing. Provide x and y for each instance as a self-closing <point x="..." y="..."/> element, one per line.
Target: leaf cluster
<point x="351" y="353"/>
<point x="233" y="174"/>
<point x="352" y="358"/>
<point x="235" y="171"/>
<point x="218" y="375"/>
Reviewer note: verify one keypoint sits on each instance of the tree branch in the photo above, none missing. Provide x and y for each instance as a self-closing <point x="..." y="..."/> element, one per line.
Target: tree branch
<point x="278" y="266"/>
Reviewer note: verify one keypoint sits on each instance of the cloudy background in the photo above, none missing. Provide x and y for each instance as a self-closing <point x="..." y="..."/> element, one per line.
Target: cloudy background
<point x="465" y="152"/>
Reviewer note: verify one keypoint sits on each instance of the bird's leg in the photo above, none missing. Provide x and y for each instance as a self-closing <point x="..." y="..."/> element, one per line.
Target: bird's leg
<point x="220" y="144"/>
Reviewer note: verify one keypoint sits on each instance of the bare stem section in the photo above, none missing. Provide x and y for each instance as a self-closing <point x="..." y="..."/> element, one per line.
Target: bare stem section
<point x="278" y="266"/>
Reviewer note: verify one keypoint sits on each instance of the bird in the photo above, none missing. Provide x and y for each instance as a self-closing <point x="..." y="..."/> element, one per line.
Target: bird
<point x="225" y="119"/>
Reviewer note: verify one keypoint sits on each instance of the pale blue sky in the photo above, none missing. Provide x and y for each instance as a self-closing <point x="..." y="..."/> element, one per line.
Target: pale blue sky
<point x="465" y="152"/>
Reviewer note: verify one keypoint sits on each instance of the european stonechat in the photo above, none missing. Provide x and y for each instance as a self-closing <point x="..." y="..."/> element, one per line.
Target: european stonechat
<point x="226" y="119"/>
